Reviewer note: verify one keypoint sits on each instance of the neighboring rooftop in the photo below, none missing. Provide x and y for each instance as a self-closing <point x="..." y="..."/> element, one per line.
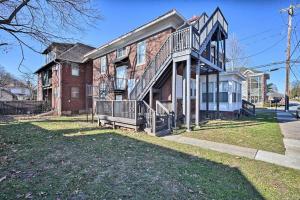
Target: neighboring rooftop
<point x="72" y="52"/>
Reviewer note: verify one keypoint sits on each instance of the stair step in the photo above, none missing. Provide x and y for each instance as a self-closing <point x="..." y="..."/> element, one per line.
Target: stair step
<point x="163" y="133"/>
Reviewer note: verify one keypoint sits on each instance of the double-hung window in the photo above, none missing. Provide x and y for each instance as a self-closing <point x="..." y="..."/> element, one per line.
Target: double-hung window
<point x="121" y="52"/>
<point x="210" y="92"/>
<point x="234" y="91"/>
<point x="102" y="90"/>
<point x="75" y="69"/>
<point x="141" y="53"/>
<point x="239" y="92"/>
<point x="223" y="91"/>
<point x="103" y="65"/>
<point x="75" y="92"/>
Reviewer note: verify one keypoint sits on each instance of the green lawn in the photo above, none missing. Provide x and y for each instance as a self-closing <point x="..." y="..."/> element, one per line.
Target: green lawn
<point x="66" y="158"/>
<point x="261" y="132"/>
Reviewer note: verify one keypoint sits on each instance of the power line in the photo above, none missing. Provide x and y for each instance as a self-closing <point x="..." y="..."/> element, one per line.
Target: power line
<point x="257" y="34"/>
<point x="260" y="52"/>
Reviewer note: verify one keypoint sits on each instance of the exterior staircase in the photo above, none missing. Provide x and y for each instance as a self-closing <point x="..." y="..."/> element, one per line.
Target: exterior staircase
<point x="188" y="39"/>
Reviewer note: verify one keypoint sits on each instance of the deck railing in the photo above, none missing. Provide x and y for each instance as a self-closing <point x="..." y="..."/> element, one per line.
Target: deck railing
<point x="117" y="108"/>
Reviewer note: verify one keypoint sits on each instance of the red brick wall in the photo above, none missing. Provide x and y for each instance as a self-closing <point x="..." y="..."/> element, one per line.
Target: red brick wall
<point x="153" y="44"/>
<point x="74" y="105"/>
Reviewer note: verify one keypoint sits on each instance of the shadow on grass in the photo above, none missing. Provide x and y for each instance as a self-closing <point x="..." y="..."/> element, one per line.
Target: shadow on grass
<point x="109" y="165"/>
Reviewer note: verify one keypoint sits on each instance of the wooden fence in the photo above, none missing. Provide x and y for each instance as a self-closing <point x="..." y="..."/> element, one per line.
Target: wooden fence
<point x="23" y="107"/>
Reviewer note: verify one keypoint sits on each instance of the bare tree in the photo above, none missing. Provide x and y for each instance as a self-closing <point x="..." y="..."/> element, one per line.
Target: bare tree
<point x="5" y="77"/>
<point x="235" y="54"/>
<point x="44" y="21"/>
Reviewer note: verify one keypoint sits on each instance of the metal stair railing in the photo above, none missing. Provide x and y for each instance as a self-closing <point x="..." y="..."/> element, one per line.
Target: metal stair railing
<point x="167" y="117"/>
<point x="183" y="39"/>
<point x="248" y="107"/>
<point x="150" y="116"/>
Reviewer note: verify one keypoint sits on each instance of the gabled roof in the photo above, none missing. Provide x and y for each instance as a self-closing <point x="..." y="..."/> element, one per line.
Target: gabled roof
<point x="59" y="44"/>
<point x="74" y="53"/>
<point x="177" y="18"/>
<point x="244" y="69"/>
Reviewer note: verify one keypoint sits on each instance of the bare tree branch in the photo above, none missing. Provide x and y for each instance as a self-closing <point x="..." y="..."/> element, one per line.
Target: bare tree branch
<point x="43" y="21"/>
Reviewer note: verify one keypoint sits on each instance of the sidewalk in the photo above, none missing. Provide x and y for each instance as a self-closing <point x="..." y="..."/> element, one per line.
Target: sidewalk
<point x="290" y="129"/>
<point x="275" y="158"/>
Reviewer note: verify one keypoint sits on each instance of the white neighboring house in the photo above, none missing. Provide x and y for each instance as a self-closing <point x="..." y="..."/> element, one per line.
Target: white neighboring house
<point x="21" y="92"/>
<point x="230" y="89"/>
<point x="6" y="95"/>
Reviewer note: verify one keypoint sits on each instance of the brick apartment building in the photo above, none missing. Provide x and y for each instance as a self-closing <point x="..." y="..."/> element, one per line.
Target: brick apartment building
<point x="170" y="64"/>
<point x="62" y="80"/>
<point x="255" y="86"/>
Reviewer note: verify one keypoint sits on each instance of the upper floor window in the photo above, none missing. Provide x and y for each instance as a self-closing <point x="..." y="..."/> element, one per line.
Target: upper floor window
<point x="50" y="56"/>
<point x="121" y="52"/>
<point x="75" y="69"/>
<point x="141" y="53"/>
<point x="103" y="65"/>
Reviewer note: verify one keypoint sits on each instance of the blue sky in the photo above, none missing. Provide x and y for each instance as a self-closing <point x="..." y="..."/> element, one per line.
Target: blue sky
<point x="246" y="19"/>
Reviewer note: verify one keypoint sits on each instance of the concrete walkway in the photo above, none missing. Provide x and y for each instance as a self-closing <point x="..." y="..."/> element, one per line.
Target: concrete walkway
<point x="275" y="158"/>
<point x="290" y="129"/>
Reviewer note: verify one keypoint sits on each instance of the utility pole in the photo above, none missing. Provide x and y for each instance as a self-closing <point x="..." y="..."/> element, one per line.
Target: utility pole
<point x="290" y="11"/>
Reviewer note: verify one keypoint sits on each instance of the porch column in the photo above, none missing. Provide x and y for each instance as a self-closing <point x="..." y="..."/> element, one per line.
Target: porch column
<point x="207" y="103"/>
<point x="184" y="93"/>
<point x="197" y="96"/>
<point x="224" y="55"/>
<point x="218" y="95"/>
<point x="174" y="96"/>
<point x="151" y="97"/>
<point x="188" y="93"/>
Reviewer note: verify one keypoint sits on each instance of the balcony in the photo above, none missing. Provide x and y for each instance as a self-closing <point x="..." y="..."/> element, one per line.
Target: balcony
<point x="120" y="85"/>
<point x="50" y="57"/>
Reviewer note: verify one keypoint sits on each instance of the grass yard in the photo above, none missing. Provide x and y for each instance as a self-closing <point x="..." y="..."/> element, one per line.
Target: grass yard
<point x="261" y="132"/>
<point x="66" y="158"/>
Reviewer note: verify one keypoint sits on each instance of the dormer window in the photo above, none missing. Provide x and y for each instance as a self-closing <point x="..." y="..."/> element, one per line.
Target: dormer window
<point x="121" y="52"/>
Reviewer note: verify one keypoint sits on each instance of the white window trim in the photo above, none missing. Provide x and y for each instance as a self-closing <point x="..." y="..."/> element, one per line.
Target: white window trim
<point x="137" y="47"/>
<point x="122" y="49"/>
<point x="72" y="92"/>
<point x="103" y="71"/>
<point x="73" y="65"/>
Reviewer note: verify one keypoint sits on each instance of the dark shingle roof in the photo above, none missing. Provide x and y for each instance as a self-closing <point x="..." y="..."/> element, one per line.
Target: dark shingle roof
<point x="75" y="53"/>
